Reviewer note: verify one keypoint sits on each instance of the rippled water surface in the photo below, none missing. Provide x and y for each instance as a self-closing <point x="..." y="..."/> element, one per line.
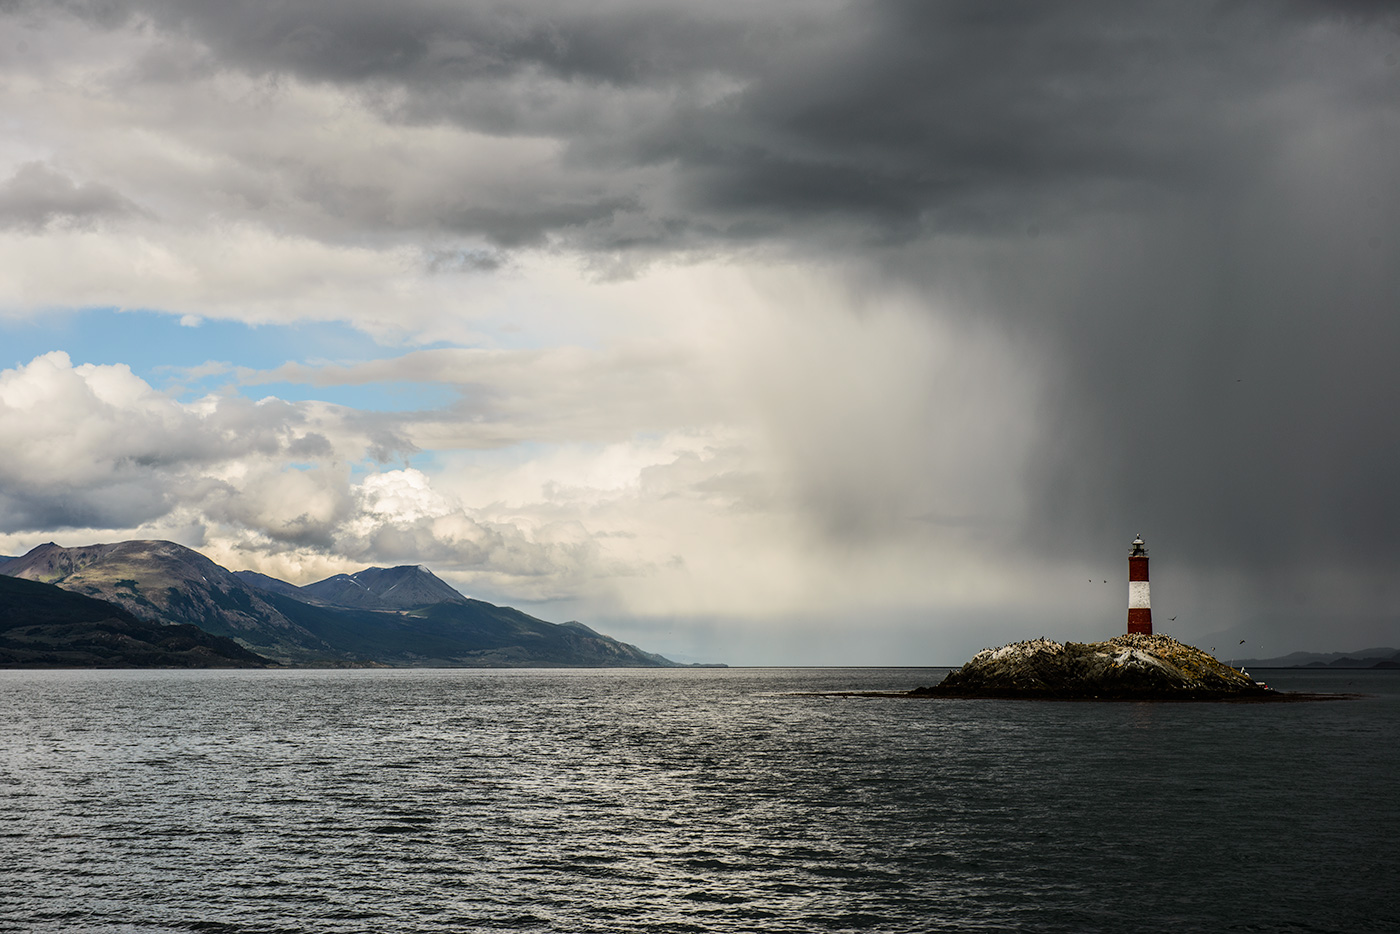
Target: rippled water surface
<point x="691" y="800"/>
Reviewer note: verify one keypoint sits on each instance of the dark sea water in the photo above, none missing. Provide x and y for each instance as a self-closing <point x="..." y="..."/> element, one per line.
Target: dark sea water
<point x="692" y="800"/>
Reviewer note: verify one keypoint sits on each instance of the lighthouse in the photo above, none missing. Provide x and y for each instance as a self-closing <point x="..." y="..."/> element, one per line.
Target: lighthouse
<point x="1139" y="603"/>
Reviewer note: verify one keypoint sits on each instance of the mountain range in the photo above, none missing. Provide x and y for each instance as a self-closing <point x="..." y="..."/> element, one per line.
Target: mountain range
<point x="402" y="616"/>
<point x="1363" y="658"/>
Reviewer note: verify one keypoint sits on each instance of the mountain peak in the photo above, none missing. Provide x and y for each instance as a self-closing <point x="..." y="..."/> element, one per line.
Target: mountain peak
<point x="401" y="588"/>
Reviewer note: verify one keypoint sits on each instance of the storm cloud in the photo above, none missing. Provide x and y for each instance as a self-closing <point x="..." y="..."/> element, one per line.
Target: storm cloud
<point x="955" y="281"/>
<point x="896" y="119"/>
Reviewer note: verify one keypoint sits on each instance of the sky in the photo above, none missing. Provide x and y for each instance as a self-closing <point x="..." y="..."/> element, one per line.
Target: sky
<point x="781" y="333"/>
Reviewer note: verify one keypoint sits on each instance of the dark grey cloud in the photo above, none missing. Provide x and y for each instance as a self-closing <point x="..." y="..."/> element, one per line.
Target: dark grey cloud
<point x="424" y="43"/>
<point x="899" y="118"/>
<point x="38" y="195"/>
<point x="1219" y="376"/>
<point x="925" y="118"/>
<point x="118" y="505"/>
<point x="1235" y="389"/>
<point x="313" y="444"/>
<point x="464" y="261"/>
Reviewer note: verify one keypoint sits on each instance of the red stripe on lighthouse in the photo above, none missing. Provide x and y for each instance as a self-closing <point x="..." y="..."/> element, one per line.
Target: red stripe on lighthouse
<point x="1140" y="620"/>
<point x="1137" y="569"/>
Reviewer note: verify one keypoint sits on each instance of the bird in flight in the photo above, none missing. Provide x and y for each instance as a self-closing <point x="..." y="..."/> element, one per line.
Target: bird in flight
<point x="1172" y="620"/>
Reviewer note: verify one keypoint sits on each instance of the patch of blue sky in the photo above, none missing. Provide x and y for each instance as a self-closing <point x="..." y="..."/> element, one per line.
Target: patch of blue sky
<point x="172" y="356"/>
<point x="426" y="461"/>
<point x="395" y="396"/>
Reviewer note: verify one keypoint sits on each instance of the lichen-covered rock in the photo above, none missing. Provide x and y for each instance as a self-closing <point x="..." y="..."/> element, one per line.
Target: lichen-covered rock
<point x="1128" y="667"/>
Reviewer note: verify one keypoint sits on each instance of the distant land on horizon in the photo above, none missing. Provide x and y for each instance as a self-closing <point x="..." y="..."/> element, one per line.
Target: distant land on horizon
<point x="398" y="617"/>
<point x="1360" y="659"/>
<point x="403" y="616"/>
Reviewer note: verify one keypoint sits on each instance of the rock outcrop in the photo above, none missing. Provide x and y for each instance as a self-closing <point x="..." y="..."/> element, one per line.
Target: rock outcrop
<point x="1128" y="667"/>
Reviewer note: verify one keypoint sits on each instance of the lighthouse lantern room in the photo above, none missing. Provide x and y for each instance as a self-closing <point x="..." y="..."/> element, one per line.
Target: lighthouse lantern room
<point x="1139" y="602"/>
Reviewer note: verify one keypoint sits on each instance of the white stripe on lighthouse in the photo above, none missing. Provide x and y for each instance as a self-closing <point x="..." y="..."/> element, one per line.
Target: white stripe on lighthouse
<point x="1137" y="596"/>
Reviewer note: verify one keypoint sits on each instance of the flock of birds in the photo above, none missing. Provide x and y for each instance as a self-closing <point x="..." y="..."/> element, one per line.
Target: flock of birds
<point x="1173" y="618"/>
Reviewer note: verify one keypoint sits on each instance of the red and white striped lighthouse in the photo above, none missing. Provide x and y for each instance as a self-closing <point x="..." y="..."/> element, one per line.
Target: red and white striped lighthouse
<point x="1139" y="603"/>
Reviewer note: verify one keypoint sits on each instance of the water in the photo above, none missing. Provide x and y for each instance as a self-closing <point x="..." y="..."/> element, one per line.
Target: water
<point x="693" y="800"/>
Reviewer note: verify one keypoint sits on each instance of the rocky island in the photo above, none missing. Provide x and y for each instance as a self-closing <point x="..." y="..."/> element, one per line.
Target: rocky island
<point x="1135" y="666"/>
